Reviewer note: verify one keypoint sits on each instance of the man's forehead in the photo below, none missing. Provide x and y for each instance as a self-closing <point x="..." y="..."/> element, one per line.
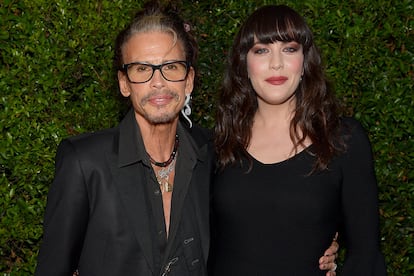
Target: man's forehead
<point x="153" y="46"/>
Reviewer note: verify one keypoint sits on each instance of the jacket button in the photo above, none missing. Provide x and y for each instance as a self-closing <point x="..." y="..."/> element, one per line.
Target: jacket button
<point x="194" y="262"/>
<point x="187" y="241"/>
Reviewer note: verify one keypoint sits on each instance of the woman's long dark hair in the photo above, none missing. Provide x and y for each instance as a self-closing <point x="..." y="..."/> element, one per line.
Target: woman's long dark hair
<point x="316" y="112"/>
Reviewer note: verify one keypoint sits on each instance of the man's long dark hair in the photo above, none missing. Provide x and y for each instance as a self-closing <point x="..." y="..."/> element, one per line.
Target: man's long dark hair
<point x="316" y="112"/>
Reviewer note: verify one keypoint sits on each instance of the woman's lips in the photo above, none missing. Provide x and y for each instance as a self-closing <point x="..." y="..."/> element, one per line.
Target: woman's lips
<point x="277" y="80"/>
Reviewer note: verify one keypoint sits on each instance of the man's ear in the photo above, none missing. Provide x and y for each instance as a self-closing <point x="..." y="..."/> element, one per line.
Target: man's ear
<point x="123" y="84"/>
<point x="189" y="86"/>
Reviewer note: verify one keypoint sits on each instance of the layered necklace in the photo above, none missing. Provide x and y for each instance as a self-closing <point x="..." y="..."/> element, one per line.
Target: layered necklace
<point x="166" y="168"/>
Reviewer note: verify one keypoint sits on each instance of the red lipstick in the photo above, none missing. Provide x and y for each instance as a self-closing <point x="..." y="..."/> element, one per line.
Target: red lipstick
<point x="277" y="80"/>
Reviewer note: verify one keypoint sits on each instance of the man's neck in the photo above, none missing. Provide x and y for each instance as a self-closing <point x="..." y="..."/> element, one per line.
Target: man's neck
<point x="159" y="139"/>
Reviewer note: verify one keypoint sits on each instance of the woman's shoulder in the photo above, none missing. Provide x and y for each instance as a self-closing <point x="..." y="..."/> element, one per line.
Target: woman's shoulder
<point x="347" y="121"/>
<point x="353" y="132"/>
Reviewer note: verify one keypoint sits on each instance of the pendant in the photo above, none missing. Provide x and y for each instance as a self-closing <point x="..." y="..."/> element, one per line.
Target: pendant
<point x="168" y="187"/>
<point x="165" y="186"/>
<point x="162" y="177"/>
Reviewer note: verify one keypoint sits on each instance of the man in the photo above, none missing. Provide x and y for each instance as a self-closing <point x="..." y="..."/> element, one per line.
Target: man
<point x="113" y="189"/>
<point x="134" y="200"/>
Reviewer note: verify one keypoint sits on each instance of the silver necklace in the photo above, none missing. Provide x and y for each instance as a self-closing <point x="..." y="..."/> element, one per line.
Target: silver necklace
<point x="162" y="177"/>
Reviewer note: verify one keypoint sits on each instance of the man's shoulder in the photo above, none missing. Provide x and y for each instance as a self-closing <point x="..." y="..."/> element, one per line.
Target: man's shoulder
<point x="200" y="135"/>
<point x="93" y="140"/>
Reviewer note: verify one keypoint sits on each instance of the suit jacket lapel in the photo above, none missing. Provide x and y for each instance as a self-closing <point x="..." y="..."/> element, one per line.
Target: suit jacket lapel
<point x="129" y="176"/>
<point x="184" y="171"/>
<point x="202" y="215"/>
<point x="188" y="156"/>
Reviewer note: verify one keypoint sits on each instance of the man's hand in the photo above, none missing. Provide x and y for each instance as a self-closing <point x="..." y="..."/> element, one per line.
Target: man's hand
<point x="327" y="261"/>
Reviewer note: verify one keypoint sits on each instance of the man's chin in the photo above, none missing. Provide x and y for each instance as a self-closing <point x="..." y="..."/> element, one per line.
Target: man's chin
<point x="162" y="119"/>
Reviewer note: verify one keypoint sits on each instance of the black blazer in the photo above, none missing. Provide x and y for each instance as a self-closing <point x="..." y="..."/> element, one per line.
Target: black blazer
<point x="97" y="216"/>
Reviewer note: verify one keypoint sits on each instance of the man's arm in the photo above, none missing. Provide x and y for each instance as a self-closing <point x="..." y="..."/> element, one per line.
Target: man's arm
<point x="65" y="218"/>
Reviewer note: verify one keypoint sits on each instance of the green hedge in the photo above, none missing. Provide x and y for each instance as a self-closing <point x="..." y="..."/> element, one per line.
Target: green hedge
<point x="56" y="80"/>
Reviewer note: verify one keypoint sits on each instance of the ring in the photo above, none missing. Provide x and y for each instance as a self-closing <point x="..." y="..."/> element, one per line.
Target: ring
<point x="334" y="268"/>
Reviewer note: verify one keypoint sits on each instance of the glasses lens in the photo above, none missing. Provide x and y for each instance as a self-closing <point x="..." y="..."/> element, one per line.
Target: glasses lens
<point x="174" y="71"/>
<point x="139" y="72"/>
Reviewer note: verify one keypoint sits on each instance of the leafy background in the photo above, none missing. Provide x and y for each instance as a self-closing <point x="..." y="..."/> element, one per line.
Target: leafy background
<point x="56" y="80"/>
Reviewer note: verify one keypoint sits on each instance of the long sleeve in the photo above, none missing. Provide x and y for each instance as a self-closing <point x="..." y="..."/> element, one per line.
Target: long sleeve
<point x="66" y="216"/>
<point x="360" y="207"/>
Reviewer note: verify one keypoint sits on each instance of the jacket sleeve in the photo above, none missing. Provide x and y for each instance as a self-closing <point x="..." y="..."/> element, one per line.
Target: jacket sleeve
<point x="66" y="216"/>
<point x="360" y="207"/>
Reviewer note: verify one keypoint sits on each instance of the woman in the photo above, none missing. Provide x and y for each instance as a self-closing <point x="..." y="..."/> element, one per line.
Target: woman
<point x="292" y="172"/>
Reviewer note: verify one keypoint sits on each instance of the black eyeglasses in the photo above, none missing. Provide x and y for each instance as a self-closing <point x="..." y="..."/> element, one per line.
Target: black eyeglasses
<point x="140" y="72"/>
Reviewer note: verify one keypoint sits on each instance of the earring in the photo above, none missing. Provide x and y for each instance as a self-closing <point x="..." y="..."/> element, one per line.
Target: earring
<point x="186" y="110"/>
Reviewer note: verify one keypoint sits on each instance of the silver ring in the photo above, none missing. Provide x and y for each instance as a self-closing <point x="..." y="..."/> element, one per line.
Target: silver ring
<point x="334" y="268"/>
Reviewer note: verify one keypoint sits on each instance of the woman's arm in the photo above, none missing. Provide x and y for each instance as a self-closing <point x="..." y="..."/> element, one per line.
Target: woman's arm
<point x="360" y="206"/>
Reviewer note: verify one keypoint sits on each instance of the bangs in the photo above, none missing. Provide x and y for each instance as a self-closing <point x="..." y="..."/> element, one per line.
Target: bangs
<point x="271" y="24"/>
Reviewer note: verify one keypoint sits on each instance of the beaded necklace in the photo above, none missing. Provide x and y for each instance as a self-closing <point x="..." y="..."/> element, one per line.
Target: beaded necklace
<point x="166" y="168"/>
<point x="172" y="156"/>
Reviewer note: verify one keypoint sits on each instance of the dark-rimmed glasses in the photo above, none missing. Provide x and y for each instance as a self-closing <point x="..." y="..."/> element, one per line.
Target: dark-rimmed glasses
<point x="140" y="72"/>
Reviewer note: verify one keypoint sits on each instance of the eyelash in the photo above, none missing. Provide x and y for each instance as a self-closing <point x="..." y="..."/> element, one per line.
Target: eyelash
<point x="260" y="51"/>
<point x="289" y="49"/>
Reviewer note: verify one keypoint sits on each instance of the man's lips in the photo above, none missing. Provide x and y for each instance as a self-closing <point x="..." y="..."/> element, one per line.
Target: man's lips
<point x="277" y="80"/>
<point x="160" y="99"/>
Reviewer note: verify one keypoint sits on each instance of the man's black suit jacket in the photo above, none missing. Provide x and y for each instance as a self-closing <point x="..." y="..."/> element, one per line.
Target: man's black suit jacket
<point x="97" y="217"/>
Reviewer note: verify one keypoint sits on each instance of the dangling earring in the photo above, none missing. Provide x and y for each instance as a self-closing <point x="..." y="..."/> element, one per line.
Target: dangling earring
<point x="186" y="110"/>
